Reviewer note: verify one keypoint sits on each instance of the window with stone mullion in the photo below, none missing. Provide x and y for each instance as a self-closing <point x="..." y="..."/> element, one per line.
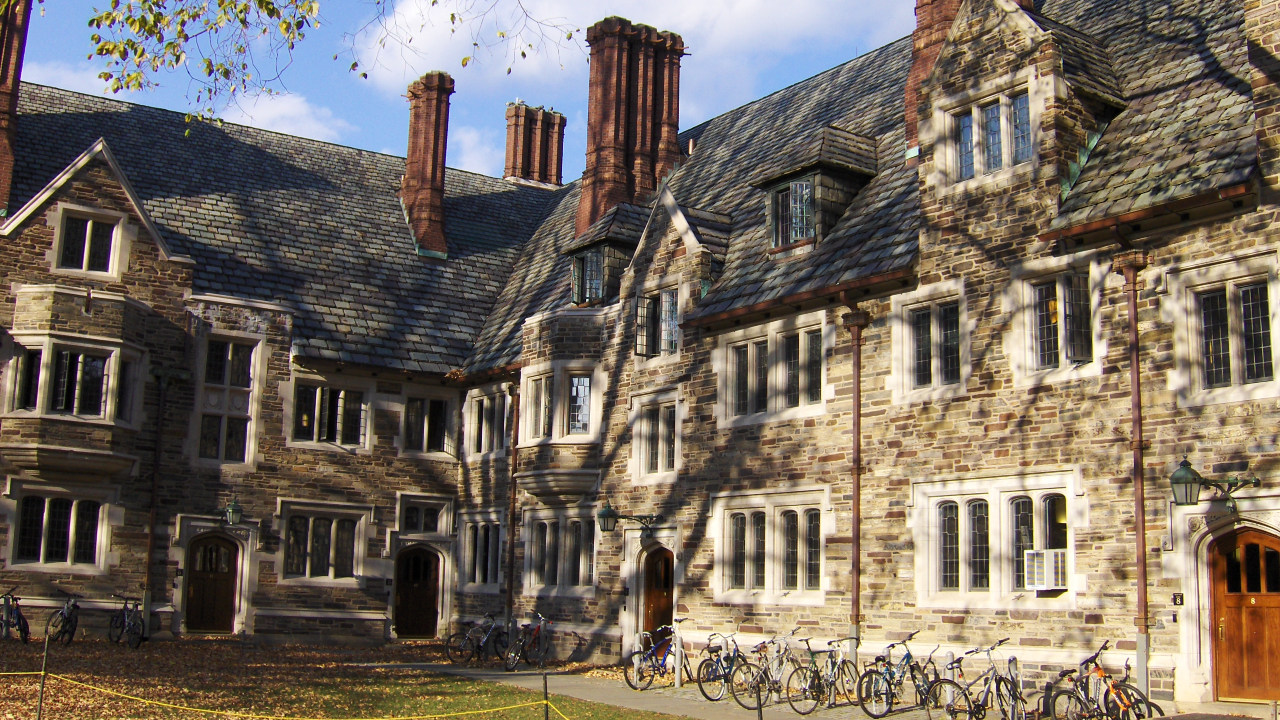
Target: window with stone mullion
<point x="992" y="146"/>
<point x="1216" y="338"/>
<point x="1046" y="324"/>
<point x="225" y="415"/>
<point x="1256" y="333"/>
<point x="1023" y="539"/>
<point x="941" y="344"/>
<point x="979" y="546"/>
<point x="57" y="530"/>
<point x="949" y="546"/>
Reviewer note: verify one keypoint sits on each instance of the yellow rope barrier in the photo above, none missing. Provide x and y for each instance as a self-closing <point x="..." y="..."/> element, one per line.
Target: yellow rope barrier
<point x="32" y="672"/>
<point x="253" y="716"/>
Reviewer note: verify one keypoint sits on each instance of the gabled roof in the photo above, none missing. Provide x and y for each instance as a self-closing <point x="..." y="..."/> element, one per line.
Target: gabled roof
<point x="829" y="147"/>
<point x="1085" y="63"/>
<point x="623" y="222"/>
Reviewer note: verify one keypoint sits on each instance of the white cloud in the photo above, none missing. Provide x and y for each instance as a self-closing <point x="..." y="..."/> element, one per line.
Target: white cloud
<point x="292" y="114"/>
<point x="476" y="150"/>
<point x="80" y="77"/>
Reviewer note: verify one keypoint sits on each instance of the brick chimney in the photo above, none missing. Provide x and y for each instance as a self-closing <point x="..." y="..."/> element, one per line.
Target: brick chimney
<point x="13" y="41"/>
<point x="535" y="144"/>
<point x="633" y="115"/>
<point x="933" y="21"/>
<point x="422" y="190"/>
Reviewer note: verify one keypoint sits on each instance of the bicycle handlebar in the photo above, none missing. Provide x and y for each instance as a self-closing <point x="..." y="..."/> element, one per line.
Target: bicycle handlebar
<point x="1094" y="657"/>
<point x="9" y="592"/>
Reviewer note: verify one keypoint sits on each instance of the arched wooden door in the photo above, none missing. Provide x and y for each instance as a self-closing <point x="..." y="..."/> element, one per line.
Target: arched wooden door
<point x="213" y="565"/>
<point x="1246" y="615"/>
<point x="659" y="591"/>
<point x="417" y="593"/>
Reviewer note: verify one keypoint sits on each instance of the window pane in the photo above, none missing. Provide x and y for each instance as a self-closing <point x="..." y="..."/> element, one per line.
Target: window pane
<point x="1273" y="570"/>
<point x="412" y="519"/>
<point x="1046" y="325"/>
<point x="237" y="439"/>
<point x="553" y="553"/>
<point x="304" y="413"/>
<point x="1021" y="128"/>
<point x="922" y="336"/>
<point x="964" y="146"/>
<point x="979" y="546"/>
<point x="579" y="404"/>
<point x="352" y="416"/>
<point x="58" y="531"/>
<point x="490" y="410"/>
<point x="573" y="559"/>
<point x="1252" y="568"/>
<point x="579" y="280"/>
<point x="535" y="406"/>
<point x="539" y="553"/>
<point x="644" y="341"/>
<point x="320" y="536"/>
<point x="66" y="369"/>
<point x="100" y="247"/>
<point x="477" y="442"/>
<point x="344" y="549"/>
<point x="74" y="234"/>
<point x="330" y="411"/>
<point x="1233" y="570"/>
<point x="813" y="550"/>
<point x="760" y="401"/>
<point x="414" y="423"/>
<point x="1217" y="344"/>
<point x="949" y="327"/>
<point x="124" y="392"/>
<point x="86" y="550"/>
<point x="473" y="542"/>
<point x="782" y="208"/>
<point x="813" y="366"/>
<point x="1055" y="522"/>
<point x="241" y="365"/>
<point x="295" y="556"/>
<point x="650" y="443"/>
<point x="738" y="576"/>
<point x="210" y="436"/>
<point x="741" y="380"/>
<point x="436" y="420"/>
<point x="791" y="550"/>
<point x="29" y="391"/>
<point x="993" y="157"/>
<point x="92" y="375"/>
<point x="1023" y="539"/>
<point x="949" y="545"/>
<point x="791" y="353"/>
<point x="1256" y="328"/>
<point x="548" y="395"/>
<point x="30" y="528"/>
<point x="757" y="556"/>
<point x="588" y="548"/>
<point x="595" y="275"/>
<point x="215" y="363"/>
<point x="801" y="210"/>
<point x="1079" y="330"/>
<point x="669" y="437"/>
<point x="481" y="558"/>
<point x="670" y="324"/>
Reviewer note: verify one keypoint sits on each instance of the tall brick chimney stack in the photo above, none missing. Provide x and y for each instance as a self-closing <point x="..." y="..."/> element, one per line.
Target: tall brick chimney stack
<point x="633" y="115"/>
<point x="535" y="144"/>
<point x="933" y="21"/>
<point x="423" y="188"/>
<point x="13" y="41"/>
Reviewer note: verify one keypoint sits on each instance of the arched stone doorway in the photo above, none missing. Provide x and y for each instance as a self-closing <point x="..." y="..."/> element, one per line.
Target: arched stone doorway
<point x="212" y="568"/>
<point x="1245" y="626"/>
<point x="417" y="608"/>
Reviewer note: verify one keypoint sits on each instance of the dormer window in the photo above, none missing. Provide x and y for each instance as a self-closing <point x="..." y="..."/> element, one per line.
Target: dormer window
<point x="588" y="276"/>
<point x="793" y="212"/>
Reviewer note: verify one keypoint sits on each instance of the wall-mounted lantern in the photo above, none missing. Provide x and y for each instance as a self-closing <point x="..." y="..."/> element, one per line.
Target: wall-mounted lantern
<point x="1187" y="484"/>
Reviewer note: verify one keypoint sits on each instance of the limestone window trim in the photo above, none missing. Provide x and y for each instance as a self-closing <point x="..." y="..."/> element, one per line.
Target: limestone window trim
<point x="549" y="534"/>
<point x="109" y="514"/>
<point x="482" y="534"/>
<point x="941" y="129"/>
<point x="560" y="373"/>
<point x="258" y="371"/>
<point x="486" y="422"/>
<point x="34" y="357"/>
<point x="774" y="505"/>
<point x="1182" y="288"/>
<point x="425" y="396"/>
<point x="668" y="407"/>
<point x="335" y="382"/>
<point x="999" y="493"/>
<point x="665" y="336"/>
<point x="1019" y="304"/>
<point x="123" y="235"/>
<point x="928" y="299"/>
<point x="771" y="340"/>
<point x="334" y="512"/>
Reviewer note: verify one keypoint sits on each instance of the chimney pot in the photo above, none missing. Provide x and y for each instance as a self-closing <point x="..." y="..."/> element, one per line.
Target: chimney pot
<point x="422" y="191"/>
<point x="13" y="42"/>
<point x="535" y="144"/>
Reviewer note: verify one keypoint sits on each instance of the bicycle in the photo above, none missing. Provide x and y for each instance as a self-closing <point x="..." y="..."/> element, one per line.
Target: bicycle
<point x="12" y="617"/>
<point x="476" y="641"/>
<point x="532" y="645"/>
<point x="642" y="666"/>
<point x="880" y="687"/>
<point x="714" y="671"/>
<point x="127" y="623"/>
<point x="1098" y="695"/>
<point x="753" y="685"/>
<point x="995" y="690"/>
<point x="809" y="686"/>
<point x="61" y="626"/>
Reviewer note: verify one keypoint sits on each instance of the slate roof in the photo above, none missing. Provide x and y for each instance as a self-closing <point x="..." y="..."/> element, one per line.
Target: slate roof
<point x="829" y="147"/>
<point x="1085" y="63"/>
<point x="313" y="225"/>
<point x="623" y="221"/>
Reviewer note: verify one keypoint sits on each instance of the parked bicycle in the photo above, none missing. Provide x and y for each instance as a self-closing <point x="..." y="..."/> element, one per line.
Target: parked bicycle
<point x="881" y="688"/>
<point x="1097" y="695"/>
<point x="754" y="684"/>
<point x="127" y="622"/>
<point x="62" y="624"/>
<point x="993" y="691"/>
<point x="11" y="618"/>
<point x="828" y="679"/>
<point x="532" y="646"/>
<point x="477" y="640"/>
<point x="657" y="656"/>
<point x="716" y="669"/>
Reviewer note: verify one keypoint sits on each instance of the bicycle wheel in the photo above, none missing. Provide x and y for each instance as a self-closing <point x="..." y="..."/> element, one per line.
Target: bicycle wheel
<point x="638" y="671"/>
<point x="133" y="631"/>
<point x="455" y="648"/>
<point x="1126" y="702"/>
<point x="24" y="629"/>
<point x="513" y="655"/>
<point x="845" y="690"/>
<point x="713" y="681"/>
<point x="1009" y="700"/>
<point x="538" y="649"/>
<point x="875" y="694"/>
<point x="56" y="627"/>
<point x="747" y="685"/>
<point x="1066" y="705"/>
<point x="947" y="700"/>
<point x="115" y="630"/>
<point x="804" y="690"/>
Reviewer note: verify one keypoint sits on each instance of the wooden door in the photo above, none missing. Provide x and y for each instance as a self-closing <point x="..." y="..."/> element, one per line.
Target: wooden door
<point x="659" y="592"/>
<point x="417" y="593"/>
<point x="1246" y="616"/>
<point x="212" y="570"/>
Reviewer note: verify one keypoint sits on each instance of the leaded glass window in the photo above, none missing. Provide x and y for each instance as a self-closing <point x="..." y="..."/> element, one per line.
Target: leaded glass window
<point x="979" y="546"/>
<point x="964" y="145"/>
<point x="949" y="546"/>
<point x="993" y="148"/>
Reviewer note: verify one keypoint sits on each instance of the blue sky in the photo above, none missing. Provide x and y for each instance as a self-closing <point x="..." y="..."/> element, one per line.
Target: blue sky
<point x="739" y="50"/>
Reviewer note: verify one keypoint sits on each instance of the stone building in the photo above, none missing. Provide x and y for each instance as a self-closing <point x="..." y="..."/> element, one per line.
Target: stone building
<point x="858" y="352"/>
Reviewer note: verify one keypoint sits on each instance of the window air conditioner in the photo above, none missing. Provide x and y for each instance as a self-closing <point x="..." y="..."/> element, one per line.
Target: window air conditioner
<point x="1046" y="569"/>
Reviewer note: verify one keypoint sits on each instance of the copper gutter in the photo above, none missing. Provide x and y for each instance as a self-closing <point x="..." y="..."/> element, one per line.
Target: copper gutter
<point x="1233" y="192"/>
<point x="832" y="291"/>
<point x="482" y="376"/>
<point x="856" y="320"/>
